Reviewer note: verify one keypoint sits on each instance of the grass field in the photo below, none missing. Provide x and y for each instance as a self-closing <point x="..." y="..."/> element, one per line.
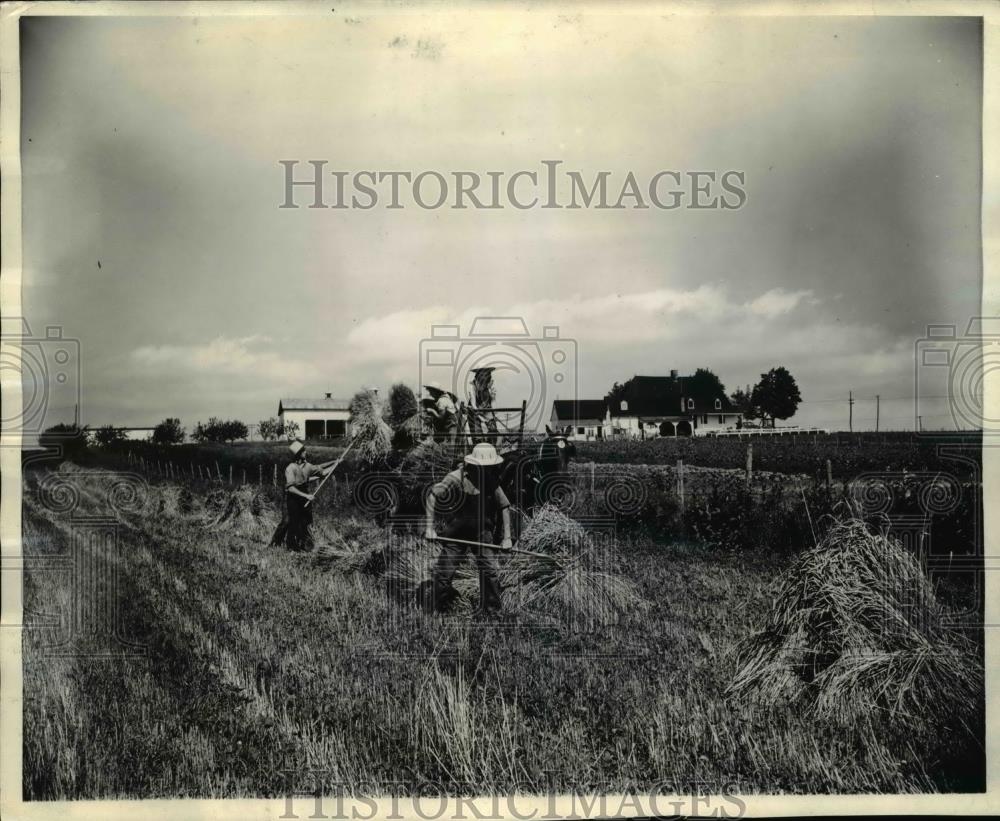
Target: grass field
<point x="259" y="662"/>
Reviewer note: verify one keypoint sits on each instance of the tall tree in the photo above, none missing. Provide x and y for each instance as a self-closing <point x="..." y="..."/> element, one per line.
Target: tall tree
<point x="704" y="382"/>
<point x="776" y="395"/>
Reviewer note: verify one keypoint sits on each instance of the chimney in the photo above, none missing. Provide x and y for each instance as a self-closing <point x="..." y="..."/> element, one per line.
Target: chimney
<point x="673" y="374"/>
<point x="329" y="396"/>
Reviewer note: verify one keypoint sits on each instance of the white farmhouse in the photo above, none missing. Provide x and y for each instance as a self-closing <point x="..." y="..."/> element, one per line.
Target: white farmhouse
<point x="324" y="418"/>
<point x="649" y="407"/>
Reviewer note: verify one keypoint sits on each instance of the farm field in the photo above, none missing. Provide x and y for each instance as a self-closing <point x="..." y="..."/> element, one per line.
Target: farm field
<point x="259" y="661"/>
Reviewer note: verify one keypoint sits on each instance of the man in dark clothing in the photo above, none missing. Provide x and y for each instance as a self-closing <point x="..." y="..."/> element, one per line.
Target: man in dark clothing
<point x="298" y="475"/>
<point x="472" y="497"/>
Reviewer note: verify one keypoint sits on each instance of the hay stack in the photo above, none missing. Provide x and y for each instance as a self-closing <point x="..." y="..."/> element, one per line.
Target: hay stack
<point x="370" y="435"/>
<point x="409" y="564"/>
<point x="573" y="582"/>
<point x="855" y="631"/>
<point x="176" y="500"/>
<point x="424" y="465"/>
<point x="245" y="513"/>
<point x="352" y="546"/>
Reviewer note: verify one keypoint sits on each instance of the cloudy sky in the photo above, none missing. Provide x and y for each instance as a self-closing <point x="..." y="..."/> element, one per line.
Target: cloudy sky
<point x="152" y="231"/>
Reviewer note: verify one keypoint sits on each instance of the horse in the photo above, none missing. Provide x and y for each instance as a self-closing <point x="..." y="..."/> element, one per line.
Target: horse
<point x="534" y="475"/>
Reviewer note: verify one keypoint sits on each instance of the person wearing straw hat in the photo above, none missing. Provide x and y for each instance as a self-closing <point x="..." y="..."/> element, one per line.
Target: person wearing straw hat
<point x="472" y="497"/>
<point x="442" y="410"/>
<point x="298" y="517"/>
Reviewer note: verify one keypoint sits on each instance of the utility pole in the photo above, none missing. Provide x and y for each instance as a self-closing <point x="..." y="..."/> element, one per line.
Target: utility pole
<point x="920" y="423"/>
<point x="876" y="412"/>
<point x="850" y="411"/>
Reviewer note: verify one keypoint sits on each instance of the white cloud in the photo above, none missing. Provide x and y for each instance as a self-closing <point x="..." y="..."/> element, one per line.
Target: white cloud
<point x="778" y="301"/>
<point x="223" y="355"/>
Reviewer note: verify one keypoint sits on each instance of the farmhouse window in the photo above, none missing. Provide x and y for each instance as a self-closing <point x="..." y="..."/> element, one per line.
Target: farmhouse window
<point x="704" y="418"/>
<point x="580" y="431"/>
<point x="690" y="404"/>
<point x="718" y="404"/>
<point x="722" y="419"/>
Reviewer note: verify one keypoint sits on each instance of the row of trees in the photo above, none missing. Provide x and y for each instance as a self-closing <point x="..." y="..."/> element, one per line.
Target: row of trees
<point x="775" y="396"/>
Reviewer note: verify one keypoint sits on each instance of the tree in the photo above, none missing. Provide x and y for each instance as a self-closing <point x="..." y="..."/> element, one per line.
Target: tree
<point x="614" y="396"/>
<point x="288" y="430"/>
<point x="704" y="382"/>
<point x="743" y="401"/>
<point x="269" y="429"/>
<point x="67" y="441"/>
<point x="234" y="429"/>
<point x="168" y="432"/>
<point x="109" y="436"/>
<point x="217" y="430"/>
<point x="776" y="395"/>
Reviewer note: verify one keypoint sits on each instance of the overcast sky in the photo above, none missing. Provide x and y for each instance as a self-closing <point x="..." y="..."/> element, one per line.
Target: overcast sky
<point x="151" y="146"/>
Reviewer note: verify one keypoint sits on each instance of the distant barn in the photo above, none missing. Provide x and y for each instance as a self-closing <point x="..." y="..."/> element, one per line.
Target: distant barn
<point x="324" y="418"/>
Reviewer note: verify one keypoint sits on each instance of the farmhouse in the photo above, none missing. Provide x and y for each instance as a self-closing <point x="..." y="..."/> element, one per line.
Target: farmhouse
<point x="648" y="407"/>
<point x="580" y="418"/>
<point x="316" y="418"/>
<point x="670" y="406"/>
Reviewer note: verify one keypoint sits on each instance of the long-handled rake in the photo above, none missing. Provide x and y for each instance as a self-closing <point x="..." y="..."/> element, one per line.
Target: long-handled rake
<point x="328" y="475"/>
<point x="518" y="550"/>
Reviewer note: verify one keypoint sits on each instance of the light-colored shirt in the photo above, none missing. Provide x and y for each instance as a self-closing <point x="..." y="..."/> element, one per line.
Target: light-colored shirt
<point x="297" y="474"/>
<point x="456" y="482"/>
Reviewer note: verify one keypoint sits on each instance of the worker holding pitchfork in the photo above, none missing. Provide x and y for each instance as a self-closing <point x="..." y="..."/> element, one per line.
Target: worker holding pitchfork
<point x="298" y="475"/>
<point x="472" y="497"/>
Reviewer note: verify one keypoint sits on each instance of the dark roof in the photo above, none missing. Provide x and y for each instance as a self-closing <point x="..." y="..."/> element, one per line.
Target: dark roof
<point x="573" y="410"/>
<point x="668" y="396"/>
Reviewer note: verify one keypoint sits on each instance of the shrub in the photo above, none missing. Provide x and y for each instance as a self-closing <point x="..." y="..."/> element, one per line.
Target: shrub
<point x="109" y="436"/>
<point x="168" y="432"/>
<point x="66" y="441"/>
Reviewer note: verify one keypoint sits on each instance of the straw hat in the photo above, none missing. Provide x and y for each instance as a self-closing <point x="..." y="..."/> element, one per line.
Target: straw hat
<point x="484" y="455"/>
<point x="296" y="447"/>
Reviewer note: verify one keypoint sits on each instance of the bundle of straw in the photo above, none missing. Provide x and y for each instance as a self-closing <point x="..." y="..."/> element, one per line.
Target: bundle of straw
<point x="245" y="513"/>
<point x="409" y="567"/>
<point x="371" y="436"/>
<point x="572" y="582"/>
<point x="421" y="468"/>
<point x="855" y="628"/>
<point x="176" y="500"/>
<point x="353" y="545"/>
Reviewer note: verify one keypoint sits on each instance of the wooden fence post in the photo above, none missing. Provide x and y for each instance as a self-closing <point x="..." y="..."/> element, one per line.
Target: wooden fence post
<point x="680" y="483"/>
<point x="218" y="471"/>
<point x="260" y="474"/>
<point x="274" y="475"/>
<point x="829" y="474"/>
<point x="230" y="474"/>
<point x="749" y="462"/>
<point x="244" y="476"/>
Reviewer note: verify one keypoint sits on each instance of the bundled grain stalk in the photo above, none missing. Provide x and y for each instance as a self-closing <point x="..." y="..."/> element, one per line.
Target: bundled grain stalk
<point x="855" y="627"/>
<point x="370" y="435"/>
<point x="244" y="512"/>
<point x="353" y="545"/>
<point x="421" y="468"/>
<point x="569" y="579"/>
